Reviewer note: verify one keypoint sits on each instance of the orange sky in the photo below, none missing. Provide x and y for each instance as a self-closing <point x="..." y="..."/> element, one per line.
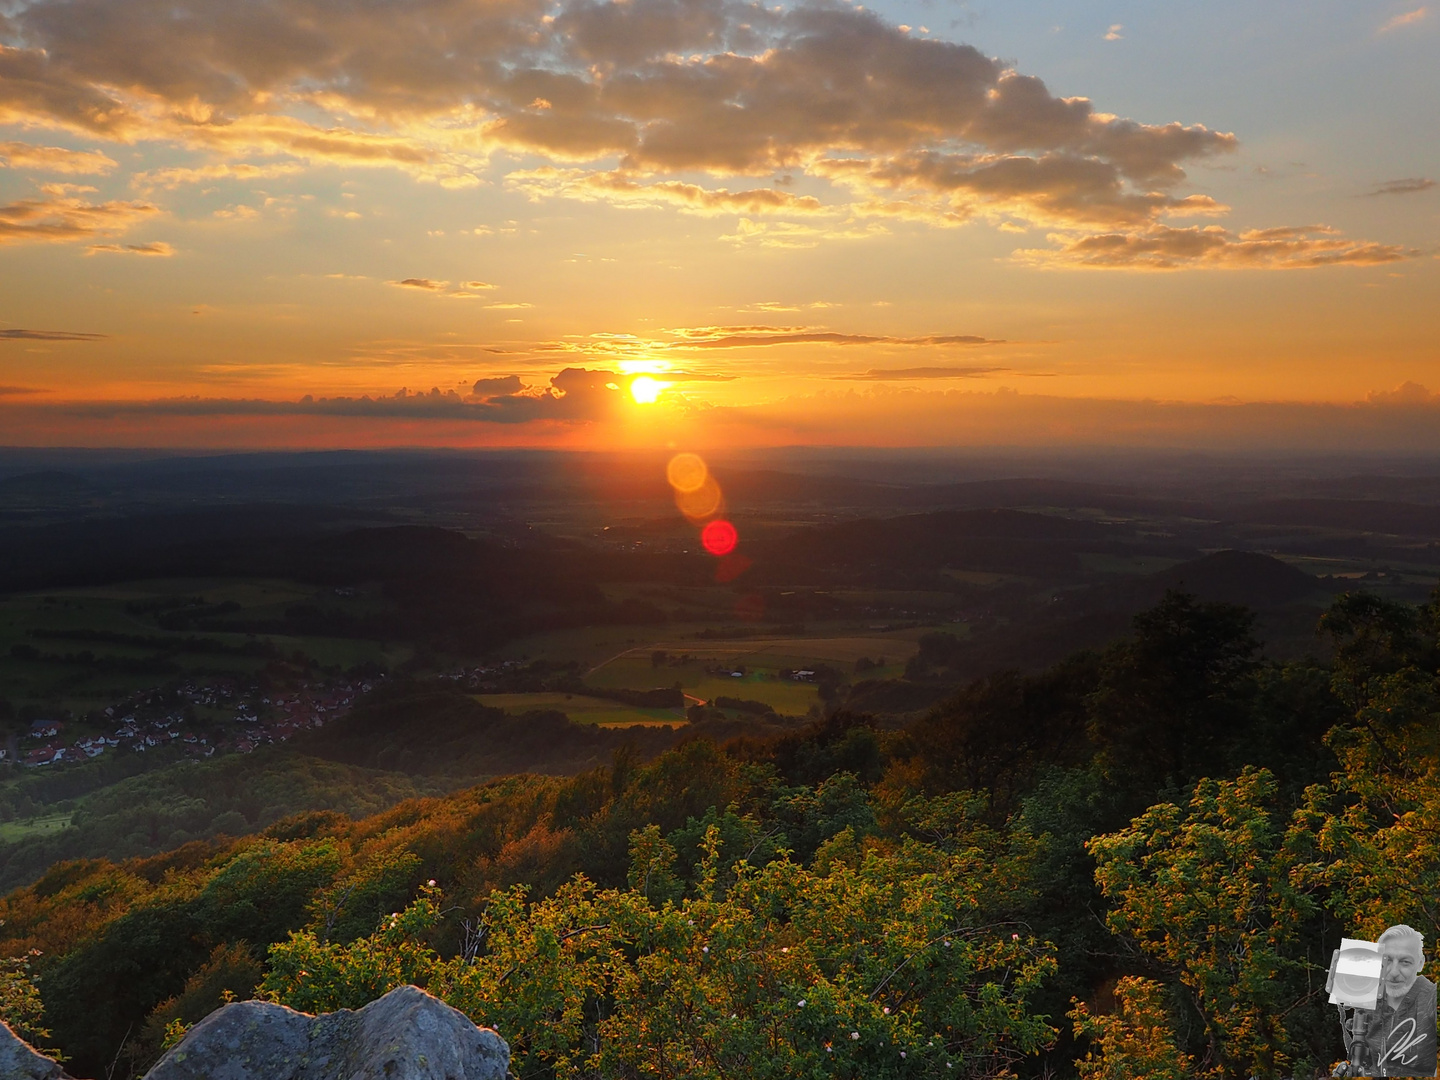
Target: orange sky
<point x="254" y="225"/>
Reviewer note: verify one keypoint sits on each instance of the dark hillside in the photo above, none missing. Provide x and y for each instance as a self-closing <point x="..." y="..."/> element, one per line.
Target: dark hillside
<point x="46" y="485"/>
<point x="1287" y="602"/>
<point x="1364" y="515"/>
<point x="1237" y="577"/>
<point x="117" y="548"/>
<point x="995" y="540"/>
<point x="438" y="731"/>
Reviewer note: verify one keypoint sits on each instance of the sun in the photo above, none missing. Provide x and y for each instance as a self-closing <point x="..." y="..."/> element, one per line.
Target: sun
<point x="645" y="390"/>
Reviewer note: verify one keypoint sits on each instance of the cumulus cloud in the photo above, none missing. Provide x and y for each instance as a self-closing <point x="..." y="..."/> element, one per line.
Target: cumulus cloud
<point x="19" y="155"/>
<point x="20" y="391"/>
<point x="156" y="248"/>
<point x="34" y="89"/>
<point x="1408" y="186"/>
<point x="499" y="386"/>
<point x="906" y="374"/>
<point x="646" y="103"/>
<point x="1407" y="394"/>
<point x="1055" y="188"/>
<point x="427" y="284"/>
<point x="63" y="219"/>
<point x="664" y="85"/>
<point x="1213" y="247"/>
<point x="48" y="335"/>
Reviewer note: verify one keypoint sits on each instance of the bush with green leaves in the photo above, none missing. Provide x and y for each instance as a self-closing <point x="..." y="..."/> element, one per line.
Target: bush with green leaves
<point x="885" y="963"/>
<point x="20" y="1004"/>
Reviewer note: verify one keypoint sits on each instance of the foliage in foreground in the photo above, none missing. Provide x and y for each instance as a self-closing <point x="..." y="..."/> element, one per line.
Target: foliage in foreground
<point x="634" y="920"/>
<point x="873" y="964"/>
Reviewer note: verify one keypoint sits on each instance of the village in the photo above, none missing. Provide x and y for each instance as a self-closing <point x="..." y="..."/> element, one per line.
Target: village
<point x="200" y="718"/>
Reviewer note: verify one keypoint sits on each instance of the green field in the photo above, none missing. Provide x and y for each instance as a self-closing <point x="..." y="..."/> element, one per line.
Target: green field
<point x="759" y="684"/>
<point x="10" y="831"/>
<point x="762" y="659"/>
<point x="585" y="710"/>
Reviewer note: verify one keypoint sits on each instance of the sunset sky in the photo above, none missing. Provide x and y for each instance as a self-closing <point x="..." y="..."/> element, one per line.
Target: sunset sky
<point x="924" y="222"/>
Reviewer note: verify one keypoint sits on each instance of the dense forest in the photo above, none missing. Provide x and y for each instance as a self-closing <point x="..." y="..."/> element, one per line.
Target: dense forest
<point x="1131" y="864"/>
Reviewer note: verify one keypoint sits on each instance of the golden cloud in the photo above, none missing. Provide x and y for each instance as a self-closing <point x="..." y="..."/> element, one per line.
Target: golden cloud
<point x="174" y="177"/>
<point x="158" y="249"/>
<point x="63" y="220"/>
<point x="1408" y="18"/>
<point x="640" y="94"/>
<point x="1213" y="247"/>
<point x="1055" y="188"/>
<point x="750" y="337"/>
<point x="620" y="190"/>
<point x="19" y="155"/>
<point x="49" y="335"/>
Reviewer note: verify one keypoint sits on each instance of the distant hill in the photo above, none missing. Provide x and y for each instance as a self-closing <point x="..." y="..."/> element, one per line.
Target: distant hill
<point x="1365" y="515"/>
<point x="1237" y="577"/>
<point x="1024" y="491"/>
<point x="1287" y="603"/>
<point x="47" y="485"/>
<point x="1003" y="541"/>
<point x="150" y="544"/>
<point x="1411" y="489"/>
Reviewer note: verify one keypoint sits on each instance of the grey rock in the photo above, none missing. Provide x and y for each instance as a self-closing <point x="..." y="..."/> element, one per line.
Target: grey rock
<point x="405" y="1035"/>
<point x="19" y="1061"/>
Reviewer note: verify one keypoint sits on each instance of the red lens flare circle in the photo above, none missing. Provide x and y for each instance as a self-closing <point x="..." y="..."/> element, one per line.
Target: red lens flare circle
<point x="719" y="538"/>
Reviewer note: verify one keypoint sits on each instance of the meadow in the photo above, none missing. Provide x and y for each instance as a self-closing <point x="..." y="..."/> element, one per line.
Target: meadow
<point x="584" y="710"/>
<point x="706" y="669"/>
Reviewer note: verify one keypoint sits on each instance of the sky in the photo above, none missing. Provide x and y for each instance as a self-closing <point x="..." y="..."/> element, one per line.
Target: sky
<point x="710" y="223"/>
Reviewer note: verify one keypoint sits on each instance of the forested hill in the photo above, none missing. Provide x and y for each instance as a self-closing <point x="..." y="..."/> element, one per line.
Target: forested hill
<point x="1138" y="856"/>
<point x="445" y="588"/>
<point x="996" y="540"/>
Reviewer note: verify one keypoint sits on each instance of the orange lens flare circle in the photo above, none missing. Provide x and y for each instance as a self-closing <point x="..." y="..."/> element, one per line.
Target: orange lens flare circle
<point x="687" y="472"/>
<point x="719" y="537"/>
<point x="701" y="503"/>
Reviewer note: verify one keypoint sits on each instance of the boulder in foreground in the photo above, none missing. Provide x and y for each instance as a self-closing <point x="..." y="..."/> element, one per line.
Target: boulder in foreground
<point x="405" y="1035"/>
<point x="19" y="1062"/>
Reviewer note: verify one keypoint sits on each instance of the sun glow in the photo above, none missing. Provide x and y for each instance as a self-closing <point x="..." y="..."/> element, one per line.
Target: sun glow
<point x="645" y="390"/>
<point x="644" y="367"/>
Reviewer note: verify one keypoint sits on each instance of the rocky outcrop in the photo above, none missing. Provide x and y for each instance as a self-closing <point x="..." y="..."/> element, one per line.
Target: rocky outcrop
<point x="19" y="1062"/>
<point x="405" y="1035"/>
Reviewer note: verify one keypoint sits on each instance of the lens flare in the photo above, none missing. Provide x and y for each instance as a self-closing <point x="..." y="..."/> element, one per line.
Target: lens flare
<point x="700" y="503"/>
<point x="645" y="390"/>
<point x="686" y="472"/>
<point x="719" y="537"/>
